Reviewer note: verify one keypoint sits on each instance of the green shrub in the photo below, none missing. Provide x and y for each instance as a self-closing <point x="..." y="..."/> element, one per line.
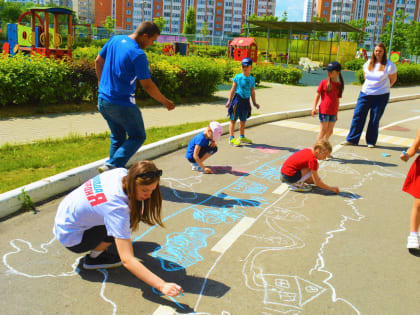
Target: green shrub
<point x="86" y="53"/>
<point x="199" y="76"/>
<point x="34" y="79"/>
<point x="165" y="76"/>
<point x="354" y="64"/>
<point x="276" y="73"/>
<point x="407" y="74"/>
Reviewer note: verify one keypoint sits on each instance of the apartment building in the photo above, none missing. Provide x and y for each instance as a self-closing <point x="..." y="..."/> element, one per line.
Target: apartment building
<point x="222" y="16"/>
<point x="85" y="10"/>
<point x="377" y="12"/>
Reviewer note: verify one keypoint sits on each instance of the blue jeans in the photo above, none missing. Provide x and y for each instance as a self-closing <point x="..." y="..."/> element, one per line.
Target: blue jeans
<point x="204" y="150"/>
<point x="122" y="121"/>
<point x="376" y="104"/>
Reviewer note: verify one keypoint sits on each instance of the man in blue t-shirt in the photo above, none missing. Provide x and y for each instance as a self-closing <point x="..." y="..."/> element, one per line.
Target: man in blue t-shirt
<point x="119" y="64"/>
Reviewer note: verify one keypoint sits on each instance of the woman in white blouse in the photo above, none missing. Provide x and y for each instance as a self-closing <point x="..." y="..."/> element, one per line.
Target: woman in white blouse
<point x="380" y="75"/>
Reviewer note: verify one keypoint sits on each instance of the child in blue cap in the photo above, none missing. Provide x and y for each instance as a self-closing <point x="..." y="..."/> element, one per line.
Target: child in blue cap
<point x="238" y="104"/>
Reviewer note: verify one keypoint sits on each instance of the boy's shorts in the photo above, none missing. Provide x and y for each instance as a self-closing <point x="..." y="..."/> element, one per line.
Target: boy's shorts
<point x="240" y="109"/>
<point x="204" y="150"/>
<point x="327" y="118"/>
<point x="291" y="179"/>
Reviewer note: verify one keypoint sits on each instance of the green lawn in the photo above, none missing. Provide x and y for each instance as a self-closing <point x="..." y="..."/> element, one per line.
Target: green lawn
<point x="27" y="163"/>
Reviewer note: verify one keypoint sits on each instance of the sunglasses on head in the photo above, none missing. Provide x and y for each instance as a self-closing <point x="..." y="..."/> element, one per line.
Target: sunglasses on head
<point x="150" y="174"/>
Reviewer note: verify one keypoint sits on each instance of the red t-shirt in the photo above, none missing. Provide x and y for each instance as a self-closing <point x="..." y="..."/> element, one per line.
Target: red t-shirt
<point x="299" y="160"/>
<point x="329" y="100"/>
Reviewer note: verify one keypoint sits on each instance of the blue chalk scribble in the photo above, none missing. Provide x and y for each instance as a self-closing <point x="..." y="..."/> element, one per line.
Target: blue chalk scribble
<point x="268" y="172"/>
<point x="181" y="249"/>
<point x="248" y="187"/>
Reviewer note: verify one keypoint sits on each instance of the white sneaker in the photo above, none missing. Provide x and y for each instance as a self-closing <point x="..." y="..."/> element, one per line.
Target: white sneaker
<point x="105" y="168"/>
<point x="413" y="242"/>
<point x="371" y="146"/>
<point x="196" y="167"/>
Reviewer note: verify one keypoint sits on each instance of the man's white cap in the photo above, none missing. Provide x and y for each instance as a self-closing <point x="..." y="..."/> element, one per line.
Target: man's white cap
<point x="217" y="130"/>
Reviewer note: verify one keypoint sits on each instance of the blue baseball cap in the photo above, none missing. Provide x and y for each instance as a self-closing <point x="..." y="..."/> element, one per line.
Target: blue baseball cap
<point x="246" y="61"/>
<point x="333" y="66"/>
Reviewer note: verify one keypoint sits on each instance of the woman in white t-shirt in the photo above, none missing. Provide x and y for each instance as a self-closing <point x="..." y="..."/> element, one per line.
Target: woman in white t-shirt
<point x="380" y="75"/>
<point x="105" y="210"/>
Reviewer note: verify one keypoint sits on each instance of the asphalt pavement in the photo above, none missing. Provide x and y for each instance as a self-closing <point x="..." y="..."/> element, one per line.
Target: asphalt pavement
<point x="239" y="242"/>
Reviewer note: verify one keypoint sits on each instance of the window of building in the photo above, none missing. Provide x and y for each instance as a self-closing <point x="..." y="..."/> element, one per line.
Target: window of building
<point x="326" y="4"/>
<point x="325" y="12"/>
<point x="158" y="14"/>
<point x="219" y="12"/>
<point x="128" y="19"/>
<point x="128" y="27"/>
<point x="128" y="4"/>
<point x="128" y="12"/>
<point x="158" y="7"/>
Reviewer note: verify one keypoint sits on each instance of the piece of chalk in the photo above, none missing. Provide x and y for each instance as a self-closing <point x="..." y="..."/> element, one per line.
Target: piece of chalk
<point x="386" y="154"/>
<point x="404" y="153"/>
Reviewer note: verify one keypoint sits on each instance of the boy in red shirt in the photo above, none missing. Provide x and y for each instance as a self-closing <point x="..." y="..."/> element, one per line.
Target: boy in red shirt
<point x="302" y="167"/>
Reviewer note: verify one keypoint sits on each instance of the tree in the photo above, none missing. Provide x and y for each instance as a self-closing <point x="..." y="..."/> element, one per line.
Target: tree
<point x="284" y="17"/>
<point x="265" y="18"/>
<point x="360" y="24"/>
<point x="317" y="35"/>
<point x="205" y="30"/>
<point x="399" y="36"/>
<point x="10" y="12"/>
<point x="160" y="22"/>
<point x="413" y="39"/>
<point x="109" y="24"/>
<point x="190" y="26"/>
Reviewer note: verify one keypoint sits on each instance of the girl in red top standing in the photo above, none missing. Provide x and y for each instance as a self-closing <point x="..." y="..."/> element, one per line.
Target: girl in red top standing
<point x="412" y="186"/>
<point x="330" y="90"/>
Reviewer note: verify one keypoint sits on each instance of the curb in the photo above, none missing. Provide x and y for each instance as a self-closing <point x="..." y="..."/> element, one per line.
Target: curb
<point x="49" y="187"/>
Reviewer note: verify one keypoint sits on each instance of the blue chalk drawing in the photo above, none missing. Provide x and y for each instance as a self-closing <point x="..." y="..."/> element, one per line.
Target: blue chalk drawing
<point x="254" y="201"/>
<point x="228" y="187"/>
<point x="248" y="187"/>
<point x="219" y="215"/>
<point x="181" y="249"/>
<point x="268" y="172"/>
<point x="230" y="212"/>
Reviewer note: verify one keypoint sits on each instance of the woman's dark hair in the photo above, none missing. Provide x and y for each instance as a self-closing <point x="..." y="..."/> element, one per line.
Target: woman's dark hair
<point x="149" y="210"/>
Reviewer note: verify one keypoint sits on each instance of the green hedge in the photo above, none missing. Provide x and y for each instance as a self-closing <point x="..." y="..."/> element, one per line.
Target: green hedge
<point x="35" y="80"/>
<point x="40" y="81"/>
<point x="407" y="74"/>
<point x="354" y="64"/>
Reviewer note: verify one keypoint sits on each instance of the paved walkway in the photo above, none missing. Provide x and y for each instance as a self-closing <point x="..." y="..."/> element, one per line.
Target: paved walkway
<point x="275" y="99"/>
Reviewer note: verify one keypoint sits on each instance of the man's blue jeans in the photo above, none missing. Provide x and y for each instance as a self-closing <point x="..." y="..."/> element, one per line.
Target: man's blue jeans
<point x="376" y="104"/>
<point x="127" y="131"/>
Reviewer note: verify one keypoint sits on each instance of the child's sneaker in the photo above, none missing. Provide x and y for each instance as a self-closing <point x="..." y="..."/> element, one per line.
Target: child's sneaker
<point x="196" y="167"/>
<point x="245" y="140"/>
<point x="300" y="187"/>
<point x="105" y="167"/>
<point x="413" y="242"/>
<point x="235" y="142"/>
<point x="104" y="260"/>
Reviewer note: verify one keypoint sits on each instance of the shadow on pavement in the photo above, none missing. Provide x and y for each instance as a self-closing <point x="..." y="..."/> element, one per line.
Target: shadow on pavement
<point x="218" y="169"/>
<point x="218" y="200"/>
<point x="190" y="284"/>
<point x="319" y="191"/>
<point x="359" y="161"/>
<point x="270" y="148"/>
<point x="414" y="252"/>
